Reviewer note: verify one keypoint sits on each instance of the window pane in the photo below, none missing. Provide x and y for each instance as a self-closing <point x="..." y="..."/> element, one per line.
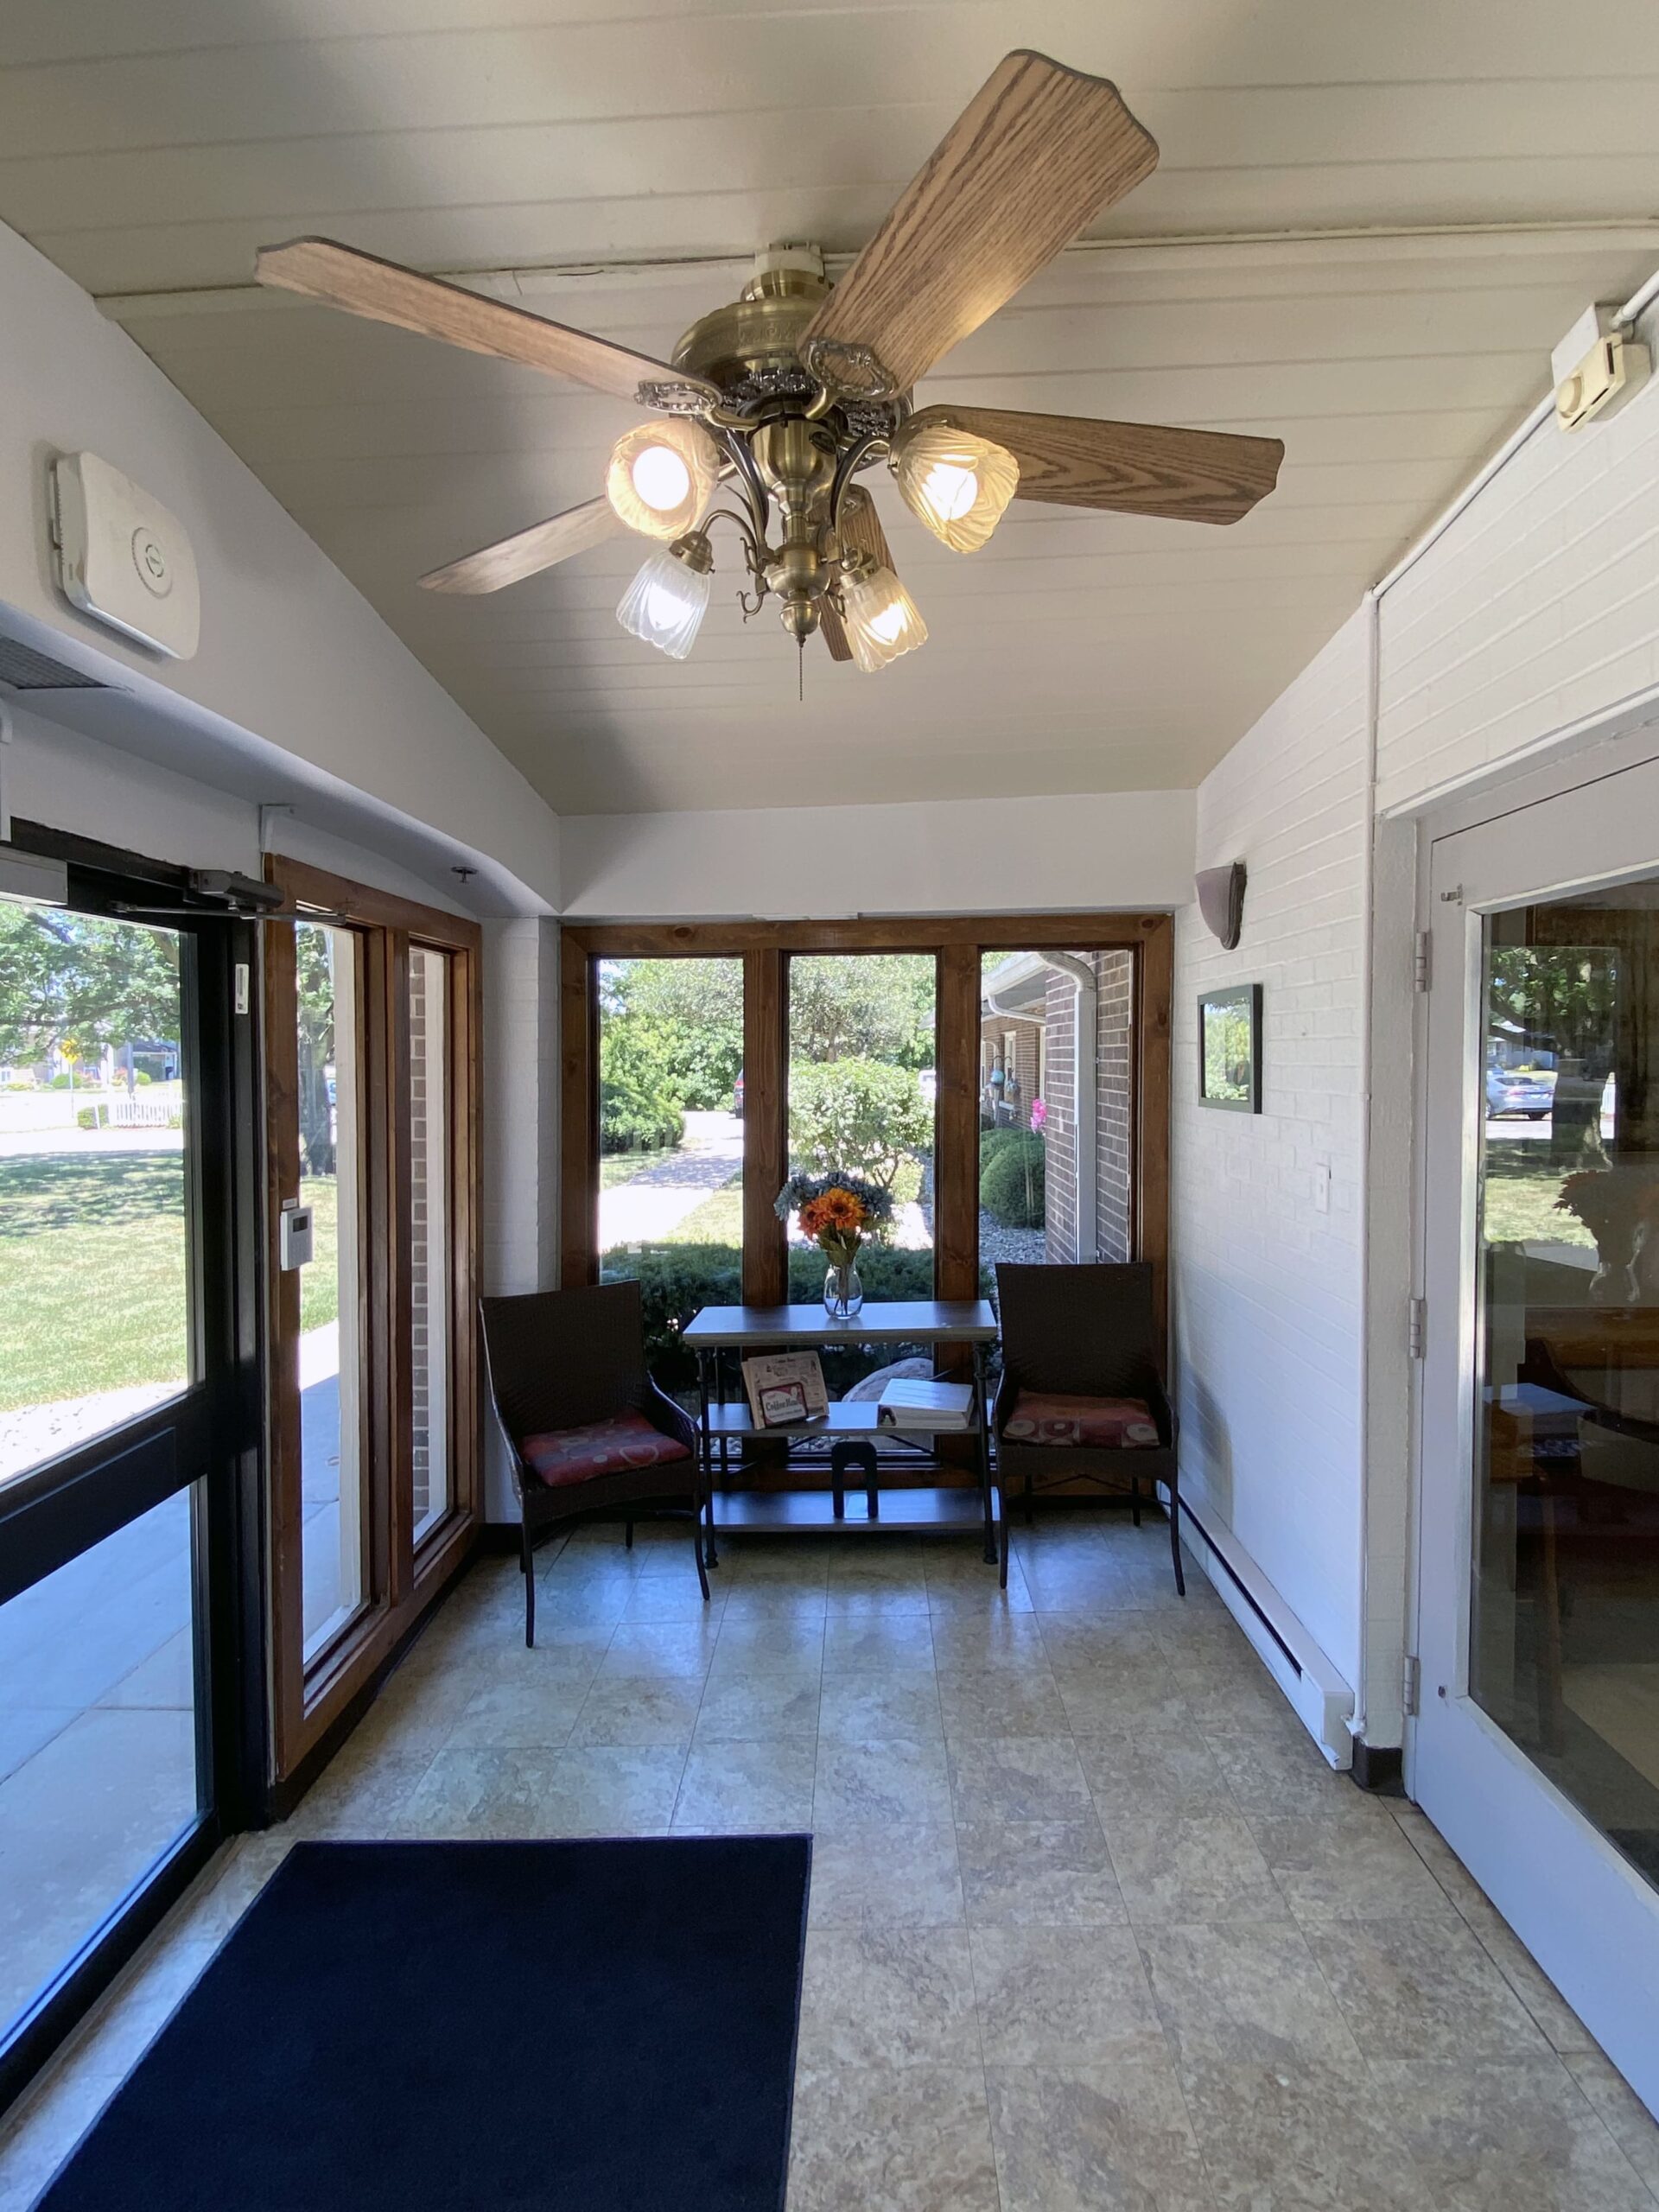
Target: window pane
<point x="1056" y="1107"/>
<point x="670" y="1138"/>
<point x="430" y="1256"/>
<point x="97" y="1741"/>
<point x="861" y="1092"/>
<point x="331" y="1459"/>
<point x="1564" y="1637"/>
<point x="94" y="1295"/>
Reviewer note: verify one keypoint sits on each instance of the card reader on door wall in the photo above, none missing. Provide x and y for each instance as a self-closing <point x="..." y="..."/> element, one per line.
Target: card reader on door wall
<point x="296" y="1236"/>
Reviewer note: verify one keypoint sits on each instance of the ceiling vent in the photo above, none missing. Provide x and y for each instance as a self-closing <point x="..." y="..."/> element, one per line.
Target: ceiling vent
<point x="25" y="669"/>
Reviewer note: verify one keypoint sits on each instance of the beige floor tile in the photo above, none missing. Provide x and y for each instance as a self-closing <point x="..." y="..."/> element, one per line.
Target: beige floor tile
<point x="1623" y="2113"/>
<point x="653" y="1649"/>
<point x="1037" y="1874"/>
<point x="914" y="2139"/>
<point x="898" y="1877"/>
<point x="1276" y="1773"/>
<point x="761" y="1640"/>
<point x="508" y="1713"/>
<point x="888" y="1997"/>
<point x="1063" y="1997"/>
<point x="469" y="1792"/>
<point x="1298" y="2134"/>
<point x="1247" y="1994"/>
<point x="1515" y="2138"/>
<point x="730" y="1789"/>
<point x="1422" y="1988"/>
<point x="630" y="1709"/>
<point x="882" y="1784"/>
<point x="854" y="1642"/>
<point x="968" y="1640"/>
<point x="1350" y="1868"/>
<point x="1149" y="1772"/>
<point x="1017" y="1778"/>
<point x="1184" y="1865"/>
<point x="1107" y="2139"/>
<point x="1141" y="1693"/>
<point x="749" y="1701"/>
<point x="979" y="1701"/>
<point x="367" y="1805"/>
<point x="876" y="1705"/>
<point x="1225" y="1696"/>
<point x="1093" y="1638"/>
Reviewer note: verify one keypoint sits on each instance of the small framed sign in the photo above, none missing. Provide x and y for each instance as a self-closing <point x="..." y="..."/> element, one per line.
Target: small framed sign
<point x="1229" y="1048"/>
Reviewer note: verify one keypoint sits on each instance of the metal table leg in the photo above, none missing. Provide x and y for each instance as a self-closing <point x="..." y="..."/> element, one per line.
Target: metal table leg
<point x="984" y="1427"/>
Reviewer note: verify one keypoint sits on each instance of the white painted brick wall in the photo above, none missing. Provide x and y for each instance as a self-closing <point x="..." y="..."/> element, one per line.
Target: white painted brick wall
<point x="1267" y="1288"/>
<point x="1536" y="611"/>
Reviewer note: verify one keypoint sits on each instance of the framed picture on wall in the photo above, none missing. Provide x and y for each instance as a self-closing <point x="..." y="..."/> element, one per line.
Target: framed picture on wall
<point x="1229" y="1048"/>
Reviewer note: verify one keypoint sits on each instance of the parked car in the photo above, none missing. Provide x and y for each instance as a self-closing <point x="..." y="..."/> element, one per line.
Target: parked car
<point x="1527" y="1091"/>
<point x="737" y="1096"/>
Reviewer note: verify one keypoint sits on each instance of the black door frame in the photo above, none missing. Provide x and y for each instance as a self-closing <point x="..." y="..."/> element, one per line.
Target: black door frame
<point x="209" y="1440"/>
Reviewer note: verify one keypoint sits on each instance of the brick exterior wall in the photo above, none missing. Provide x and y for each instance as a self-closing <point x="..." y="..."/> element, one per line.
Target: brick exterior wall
<point x="1113" y="1110"/>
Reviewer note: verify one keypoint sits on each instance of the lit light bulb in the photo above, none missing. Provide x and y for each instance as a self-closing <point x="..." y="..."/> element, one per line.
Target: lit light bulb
<point x="881" y="619"/>
<point x="665" y="603"/>
<point x="957" y="483"/>
<point x="661" y="476"/>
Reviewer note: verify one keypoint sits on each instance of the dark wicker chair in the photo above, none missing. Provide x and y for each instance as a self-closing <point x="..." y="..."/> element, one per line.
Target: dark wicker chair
<point x="585" y="1425"/>
<point x="1083" y="1333"/>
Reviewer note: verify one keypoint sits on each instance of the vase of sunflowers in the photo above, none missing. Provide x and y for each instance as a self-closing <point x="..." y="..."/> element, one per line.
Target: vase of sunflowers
<point x="835" y="1211"/>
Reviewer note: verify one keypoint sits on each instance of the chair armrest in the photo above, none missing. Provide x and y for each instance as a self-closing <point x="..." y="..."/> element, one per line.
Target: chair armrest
<point x="660" y="1410"/>
<point x="1007" y="1390"/>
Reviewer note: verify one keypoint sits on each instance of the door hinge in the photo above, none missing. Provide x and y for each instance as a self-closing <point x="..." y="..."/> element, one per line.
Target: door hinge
<point x="1416" y="1326"/>
<point x="1411" y="1684"/>
<point x="1422" y="960"/>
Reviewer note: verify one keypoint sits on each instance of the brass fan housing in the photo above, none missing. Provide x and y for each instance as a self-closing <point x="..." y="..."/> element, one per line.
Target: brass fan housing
<point x="756" y="335"/>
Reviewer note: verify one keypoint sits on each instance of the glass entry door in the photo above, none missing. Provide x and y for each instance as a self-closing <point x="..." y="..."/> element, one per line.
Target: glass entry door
<point x="119" y="1458"/>
<point x="1537" y="1749"/>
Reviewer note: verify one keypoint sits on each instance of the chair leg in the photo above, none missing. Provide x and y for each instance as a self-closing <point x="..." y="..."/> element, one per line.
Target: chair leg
<point x="1002" y="1546"/>
<point x="1134" y="1500"/>
<point x="627" y="1536"/>
<point x="1031" y="1507"/>
<point x="1175" y="1539"/>
<point x="527" y="1564"/>
<point x="696" y="1546"/>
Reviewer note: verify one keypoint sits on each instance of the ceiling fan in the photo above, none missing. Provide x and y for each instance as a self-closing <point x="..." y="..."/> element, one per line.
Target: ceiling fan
<point x="793" y="389"/>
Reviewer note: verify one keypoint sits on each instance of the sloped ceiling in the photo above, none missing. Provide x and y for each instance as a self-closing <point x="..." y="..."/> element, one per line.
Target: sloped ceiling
<point x="1369" y="226"/>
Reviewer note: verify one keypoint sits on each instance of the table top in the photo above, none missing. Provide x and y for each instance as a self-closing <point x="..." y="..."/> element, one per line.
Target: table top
<point x="922" y="1320"/>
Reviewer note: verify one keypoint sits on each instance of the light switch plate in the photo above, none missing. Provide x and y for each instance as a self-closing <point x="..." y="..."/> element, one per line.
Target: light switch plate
<point x="1322" y="1186"/>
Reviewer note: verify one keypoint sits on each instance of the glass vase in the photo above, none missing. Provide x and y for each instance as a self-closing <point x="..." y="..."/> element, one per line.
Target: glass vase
<point x="844" y="1294"/>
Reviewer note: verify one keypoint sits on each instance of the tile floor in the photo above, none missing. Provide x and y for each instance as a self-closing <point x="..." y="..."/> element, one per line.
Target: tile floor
<point x="1093" y="1928"/>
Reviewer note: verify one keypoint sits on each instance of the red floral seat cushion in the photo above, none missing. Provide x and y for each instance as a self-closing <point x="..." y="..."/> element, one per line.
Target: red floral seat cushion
<point x="1107" y="1424"/>
<point x="604" y="1447"/>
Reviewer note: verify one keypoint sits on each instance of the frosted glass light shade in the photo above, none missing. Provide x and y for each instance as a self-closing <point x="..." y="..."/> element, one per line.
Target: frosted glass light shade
<point x="959" y="485"/>
<point x="665" y="604"/>
<point x="881" y="619"/>
<point x="661" y="476"/>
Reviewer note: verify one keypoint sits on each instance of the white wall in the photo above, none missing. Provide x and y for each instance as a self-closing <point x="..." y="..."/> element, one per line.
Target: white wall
<point x="1267" y="1303"/>
<point x="1126" y="850"/>
<point x="296" y="676"/>
<point x="1529" y="632"/>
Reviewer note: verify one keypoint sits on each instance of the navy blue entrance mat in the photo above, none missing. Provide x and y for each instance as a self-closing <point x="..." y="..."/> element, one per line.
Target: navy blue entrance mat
<point x="602" y="2026"/>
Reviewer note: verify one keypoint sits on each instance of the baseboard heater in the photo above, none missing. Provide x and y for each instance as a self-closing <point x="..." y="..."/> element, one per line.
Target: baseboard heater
<point x="1322" y="1700"/>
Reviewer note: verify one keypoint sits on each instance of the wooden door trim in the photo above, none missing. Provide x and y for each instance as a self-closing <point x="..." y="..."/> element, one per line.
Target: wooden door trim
<point x="399" y="1582"/>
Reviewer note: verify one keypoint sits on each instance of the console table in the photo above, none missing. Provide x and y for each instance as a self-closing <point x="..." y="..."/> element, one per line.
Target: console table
<point x="721" y="1335"/>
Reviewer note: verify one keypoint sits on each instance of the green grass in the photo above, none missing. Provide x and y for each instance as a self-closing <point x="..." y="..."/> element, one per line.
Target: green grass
<point x="718" y="1220"/>
<point x="92" y="1284"/>
<point x="1521" y="1192"/>
<point x="625" y="1166"/>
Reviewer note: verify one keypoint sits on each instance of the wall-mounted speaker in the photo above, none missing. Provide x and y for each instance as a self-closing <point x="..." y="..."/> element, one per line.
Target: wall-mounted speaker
<point x="1220" y="901"/>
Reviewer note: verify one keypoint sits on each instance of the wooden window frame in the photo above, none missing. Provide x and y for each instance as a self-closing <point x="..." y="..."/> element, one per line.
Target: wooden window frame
<point x="400" y="1581"/>
<point x="958" y="943"/>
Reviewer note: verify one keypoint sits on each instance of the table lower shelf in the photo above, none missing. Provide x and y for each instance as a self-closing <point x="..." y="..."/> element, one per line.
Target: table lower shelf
<point x="812" y="1512"/>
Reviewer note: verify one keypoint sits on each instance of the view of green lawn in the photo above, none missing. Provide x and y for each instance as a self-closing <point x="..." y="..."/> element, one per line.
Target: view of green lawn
<point x="92" y="1259"/>
<point x="1520" y="1190"/>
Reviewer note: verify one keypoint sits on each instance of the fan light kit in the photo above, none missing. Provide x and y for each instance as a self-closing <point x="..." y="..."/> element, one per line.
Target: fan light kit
<point x="784" y="396"/>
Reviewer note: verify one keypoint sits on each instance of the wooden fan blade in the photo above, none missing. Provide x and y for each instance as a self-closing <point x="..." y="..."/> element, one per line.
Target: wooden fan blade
<point x="381" y="289"/>
<point x="542" y="546"/>
<point x="1037" y="153"/>
<point x="860" y="525"/>
<point x="1132" y="468"/>
<point x="833" y="632"/>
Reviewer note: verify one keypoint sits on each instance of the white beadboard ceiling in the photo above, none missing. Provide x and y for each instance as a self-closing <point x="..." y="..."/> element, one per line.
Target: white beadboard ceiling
<point x="1369" y="224"/>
